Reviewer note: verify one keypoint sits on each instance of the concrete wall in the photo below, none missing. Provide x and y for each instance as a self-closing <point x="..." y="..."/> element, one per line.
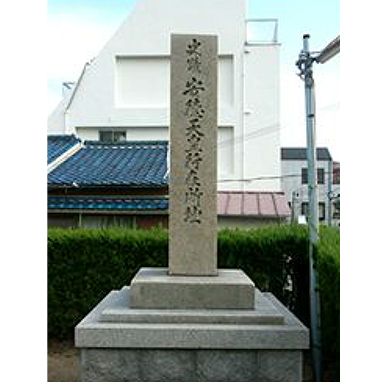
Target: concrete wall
<point x="127" y="86"/>
<point x="261" y="116"/>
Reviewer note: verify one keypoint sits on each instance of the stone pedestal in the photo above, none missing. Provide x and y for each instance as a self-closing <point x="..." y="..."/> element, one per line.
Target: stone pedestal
<point x="120" y="342"/>
<point x="154" y="288"/>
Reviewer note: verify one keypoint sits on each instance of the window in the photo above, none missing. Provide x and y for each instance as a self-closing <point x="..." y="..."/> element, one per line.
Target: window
<point x="320" y="175"/>
<point x="336" y="175"/>
<point x="305" y="209"/>
<point x="304" y="176"/>
<point x="106" y="221"/>
<point x="112" y="136"/>
<point x="336" y="204"/>
<point x="321" y="210"/>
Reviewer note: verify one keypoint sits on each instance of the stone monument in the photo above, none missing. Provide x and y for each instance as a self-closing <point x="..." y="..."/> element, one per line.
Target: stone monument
<point x="192" y="321"/>
<point x="193" y="173"/>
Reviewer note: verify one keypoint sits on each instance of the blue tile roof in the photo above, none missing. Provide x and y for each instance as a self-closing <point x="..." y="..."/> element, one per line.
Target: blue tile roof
<point x="130" y="163"/>
<point x="58" y="145"/>
<point x="104" y="203"/>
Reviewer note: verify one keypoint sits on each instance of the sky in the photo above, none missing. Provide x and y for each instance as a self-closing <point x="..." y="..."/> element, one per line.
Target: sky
<point x="78" y="29"/>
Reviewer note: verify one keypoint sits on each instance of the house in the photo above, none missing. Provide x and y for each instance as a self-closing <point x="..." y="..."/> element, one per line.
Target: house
<point x="248" y="209"/>
<point x="295" y="183"/>
<point x="123" y="93"/>
<point x="102" y="184"/>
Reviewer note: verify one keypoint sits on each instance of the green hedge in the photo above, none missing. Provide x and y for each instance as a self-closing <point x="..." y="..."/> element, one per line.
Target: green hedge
<point x="329" y="286"/>
<point x="84" y="265"/>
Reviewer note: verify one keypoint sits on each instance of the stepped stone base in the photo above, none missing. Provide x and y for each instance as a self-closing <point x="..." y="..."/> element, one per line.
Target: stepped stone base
<point x="121" y="343"/>
<point x="153" y="288"/>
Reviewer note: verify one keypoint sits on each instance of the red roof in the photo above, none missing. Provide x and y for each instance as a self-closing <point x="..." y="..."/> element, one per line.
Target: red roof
<point x="253" y="203"/>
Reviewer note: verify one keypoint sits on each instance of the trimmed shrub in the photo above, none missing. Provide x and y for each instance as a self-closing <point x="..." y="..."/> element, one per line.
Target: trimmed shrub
<point x="84" y="265"/>
<point x="329" y="285"/>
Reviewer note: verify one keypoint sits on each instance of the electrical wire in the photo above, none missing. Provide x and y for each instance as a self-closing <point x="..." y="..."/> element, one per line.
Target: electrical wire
<point x="269" y="129"/>
<point x="268" y="177"/>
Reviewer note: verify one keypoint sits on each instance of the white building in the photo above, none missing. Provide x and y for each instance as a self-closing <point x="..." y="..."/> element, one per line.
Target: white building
<point x="124" y="92"/>
<point x="295" y="183"/>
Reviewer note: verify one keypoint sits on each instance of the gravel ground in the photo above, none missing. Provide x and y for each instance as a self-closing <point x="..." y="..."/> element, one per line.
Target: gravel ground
<point x="63" y="363"/>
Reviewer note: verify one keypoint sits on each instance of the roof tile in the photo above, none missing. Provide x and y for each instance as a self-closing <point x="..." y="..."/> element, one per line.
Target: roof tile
<point x="253" y="203"/>
<point x="129" y="163"/>
<point x="58" y="145"/>
<point x="132" y="203"/>
<point x="232" y="203"/>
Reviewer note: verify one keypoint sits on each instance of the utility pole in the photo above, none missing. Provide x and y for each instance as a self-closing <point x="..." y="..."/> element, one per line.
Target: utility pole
<point x="305" y="64"/>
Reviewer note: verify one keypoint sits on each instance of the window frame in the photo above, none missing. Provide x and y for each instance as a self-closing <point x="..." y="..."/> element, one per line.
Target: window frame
<point x="321" y="211"/>
<point x="320" y="175"/>
<point x="114" y="136"/>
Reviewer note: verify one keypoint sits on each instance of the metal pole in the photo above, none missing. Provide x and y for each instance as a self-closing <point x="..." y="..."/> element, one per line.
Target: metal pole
<point x="305" y="64"/>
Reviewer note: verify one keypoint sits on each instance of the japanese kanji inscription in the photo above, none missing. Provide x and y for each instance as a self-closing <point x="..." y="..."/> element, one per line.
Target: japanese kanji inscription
<point x="193" y="140"/>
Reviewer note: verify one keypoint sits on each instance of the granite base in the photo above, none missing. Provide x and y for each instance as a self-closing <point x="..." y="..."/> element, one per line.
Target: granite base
<point x="120" y="343"/>
<point x="154" y="288"/>
<point x="190" y="365"/>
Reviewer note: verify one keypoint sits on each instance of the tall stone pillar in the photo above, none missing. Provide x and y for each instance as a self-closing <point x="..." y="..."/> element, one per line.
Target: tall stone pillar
<point x="193" y="140"/>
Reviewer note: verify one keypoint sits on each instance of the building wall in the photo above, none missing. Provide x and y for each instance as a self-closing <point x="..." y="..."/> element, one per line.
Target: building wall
<point x="261" y="116"/>
<point x="292" y="181"/>
<point x="101" y="220"/>
<point x="127" y="86"/>
<point x="244" y="222"/>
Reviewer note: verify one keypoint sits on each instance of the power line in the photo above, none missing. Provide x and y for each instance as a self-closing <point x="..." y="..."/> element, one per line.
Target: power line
<point x="245" y="137"/>
<point x="270" y="177"/>
<point x="267" y="177"/>
<point x="265" y="130"/>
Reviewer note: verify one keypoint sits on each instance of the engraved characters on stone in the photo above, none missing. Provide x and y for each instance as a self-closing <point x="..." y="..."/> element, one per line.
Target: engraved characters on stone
<point x="195" y="112"/>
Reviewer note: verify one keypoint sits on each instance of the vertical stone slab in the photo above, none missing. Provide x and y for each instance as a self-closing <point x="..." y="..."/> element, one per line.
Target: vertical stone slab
<point x="193" y="161"/>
